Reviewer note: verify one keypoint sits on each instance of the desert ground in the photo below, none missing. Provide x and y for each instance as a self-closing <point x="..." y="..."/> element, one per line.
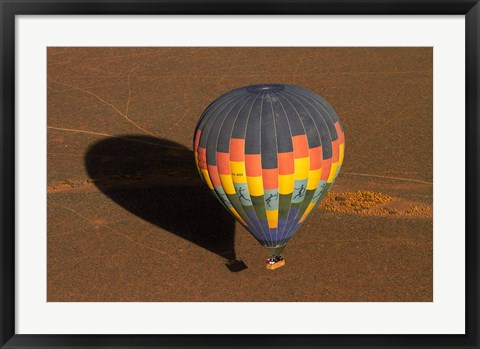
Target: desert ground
<point x="129" y="218"/>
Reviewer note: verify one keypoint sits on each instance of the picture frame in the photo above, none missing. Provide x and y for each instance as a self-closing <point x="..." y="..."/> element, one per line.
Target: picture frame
<point x="10" y="9"/>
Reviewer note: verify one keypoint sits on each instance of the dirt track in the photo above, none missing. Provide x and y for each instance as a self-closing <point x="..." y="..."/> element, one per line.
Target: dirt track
<point x="124" y="223"/>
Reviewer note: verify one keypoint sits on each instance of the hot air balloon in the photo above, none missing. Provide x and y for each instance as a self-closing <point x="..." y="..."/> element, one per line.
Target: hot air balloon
<point x="269" y="153"/>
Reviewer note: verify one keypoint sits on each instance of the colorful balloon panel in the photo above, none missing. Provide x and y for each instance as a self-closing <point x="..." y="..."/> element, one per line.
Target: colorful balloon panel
<point x="269" y="153"/>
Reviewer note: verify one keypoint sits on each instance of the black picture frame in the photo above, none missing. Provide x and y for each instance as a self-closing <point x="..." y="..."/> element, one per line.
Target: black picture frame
<point x="10" y="8"/>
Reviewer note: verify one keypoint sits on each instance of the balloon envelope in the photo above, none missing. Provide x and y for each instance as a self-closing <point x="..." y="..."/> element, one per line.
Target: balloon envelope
<point x="269" y="153"/>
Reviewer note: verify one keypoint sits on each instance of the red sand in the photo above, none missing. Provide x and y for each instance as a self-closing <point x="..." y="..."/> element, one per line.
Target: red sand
<point x="124" y="223"/>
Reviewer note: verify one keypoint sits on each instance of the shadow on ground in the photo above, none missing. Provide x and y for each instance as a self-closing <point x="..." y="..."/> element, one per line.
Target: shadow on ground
<point x="157" y="180"/>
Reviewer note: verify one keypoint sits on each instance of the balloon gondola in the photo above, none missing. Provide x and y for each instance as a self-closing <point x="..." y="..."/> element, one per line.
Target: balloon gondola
<point x="269" y="153"/>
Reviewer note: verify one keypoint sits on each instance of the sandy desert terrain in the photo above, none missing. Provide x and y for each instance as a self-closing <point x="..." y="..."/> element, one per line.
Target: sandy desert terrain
<point x="124" y="219"/>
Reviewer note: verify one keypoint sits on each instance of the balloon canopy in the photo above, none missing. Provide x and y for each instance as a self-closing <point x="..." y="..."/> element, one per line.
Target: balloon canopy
<point x="269" y="153"/>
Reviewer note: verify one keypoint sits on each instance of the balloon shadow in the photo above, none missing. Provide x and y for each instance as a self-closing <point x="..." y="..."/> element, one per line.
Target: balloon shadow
<point x="156" y="179"/>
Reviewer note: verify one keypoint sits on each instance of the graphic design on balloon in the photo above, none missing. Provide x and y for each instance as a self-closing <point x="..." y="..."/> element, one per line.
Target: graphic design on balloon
<point x="269" y="153"/>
